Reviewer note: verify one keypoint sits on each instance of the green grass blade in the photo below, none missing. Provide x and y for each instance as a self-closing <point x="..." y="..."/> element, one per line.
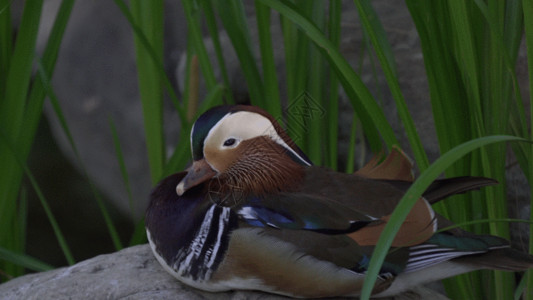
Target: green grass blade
<point x="528" y="26"/>
<point x="19" y="73"/>
<point x="373" y="27"/>
<point x="212" y="27"/>
<point x="182" y="153"/>
<point x="12" y="104"/>
<point x="62" y="121"/>
<point x="234" y="20"/>
<point x="180" y="157"/>
<point x="315" y="86"/>
<point x="31" y="108"/>
<point x="295" y="84"/>
<point x="22" y="220"/>
<point x="193" y="88"/>
<point x="334" y="32"/>
<point x="122" y="164"/>
<point x="6" y="42"/>
<point x="44" y="203"/>
<point x="24" y="260"/>
<point x="444" y="84"/>
<point x="466" y="49"/>
<point x="37" y="94"/>
<point x="411" y="196"/>
<point x="148" y="15"/>
<point x="214" y="97"/>
<point x="17" y="62"/>
<point x="350" y="161"/>
<point x="371" y="115"/>
<point x="197" y="39"/>
<point x="143" y="40"/>
<point x="521" y="288"/>
<point x="139" y="234"/>
<point x="272" y="98"/>
<point x="300" y="59"/>
<point x="57" y="230"/>
<point x="375" y="31"/>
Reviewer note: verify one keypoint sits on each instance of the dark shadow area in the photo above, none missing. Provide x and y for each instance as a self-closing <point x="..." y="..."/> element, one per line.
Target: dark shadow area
<point x="73" y="204"/>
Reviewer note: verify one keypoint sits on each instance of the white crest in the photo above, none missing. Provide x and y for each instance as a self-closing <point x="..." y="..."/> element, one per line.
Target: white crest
<point x="244" y="125"/>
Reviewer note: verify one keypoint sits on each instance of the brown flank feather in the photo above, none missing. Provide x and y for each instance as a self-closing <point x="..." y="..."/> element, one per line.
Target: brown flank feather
<point x="396" y="166"/>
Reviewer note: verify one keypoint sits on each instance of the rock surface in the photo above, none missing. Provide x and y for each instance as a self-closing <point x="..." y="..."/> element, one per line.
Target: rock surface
<point x="132" y="273"/>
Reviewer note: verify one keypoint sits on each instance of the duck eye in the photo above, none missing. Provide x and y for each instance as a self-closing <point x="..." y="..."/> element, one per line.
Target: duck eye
<point x="229" y="142"/>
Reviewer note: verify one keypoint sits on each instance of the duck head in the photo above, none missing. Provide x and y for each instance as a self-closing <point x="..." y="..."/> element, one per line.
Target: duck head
<point x="242" y="150"/>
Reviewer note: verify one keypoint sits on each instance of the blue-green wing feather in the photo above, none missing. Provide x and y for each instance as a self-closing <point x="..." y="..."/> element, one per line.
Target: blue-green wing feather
<point x="302" y="211"/>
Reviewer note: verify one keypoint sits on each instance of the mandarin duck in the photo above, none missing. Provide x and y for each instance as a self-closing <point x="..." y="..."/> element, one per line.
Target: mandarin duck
<point x="253" y="213"/>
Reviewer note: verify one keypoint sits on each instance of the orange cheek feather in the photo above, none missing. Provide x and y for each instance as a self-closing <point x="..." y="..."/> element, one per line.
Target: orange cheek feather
<point x="221" y="160"/>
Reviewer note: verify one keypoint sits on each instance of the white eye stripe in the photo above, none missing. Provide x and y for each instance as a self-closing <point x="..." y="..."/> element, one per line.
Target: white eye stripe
<point x="244" y="125"/>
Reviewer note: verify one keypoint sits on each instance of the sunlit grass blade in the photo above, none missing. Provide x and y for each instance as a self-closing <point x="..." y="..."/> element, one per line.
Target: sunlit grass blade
<point x="410" y="197"/>
<point x="24" y="260"/>
<point x="371" y="114"/>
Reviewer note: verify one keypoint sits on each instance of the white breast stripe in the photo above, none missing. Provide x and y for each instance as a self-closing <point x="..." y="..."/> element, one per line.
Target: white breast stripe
<point x="222" y="222"/>
<point x="193" y="252"/>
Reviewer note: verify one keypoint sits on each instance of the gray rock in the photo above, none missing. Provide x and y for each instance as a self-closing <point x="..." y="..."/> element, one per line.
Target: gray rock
<point x="132" y="273"/>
